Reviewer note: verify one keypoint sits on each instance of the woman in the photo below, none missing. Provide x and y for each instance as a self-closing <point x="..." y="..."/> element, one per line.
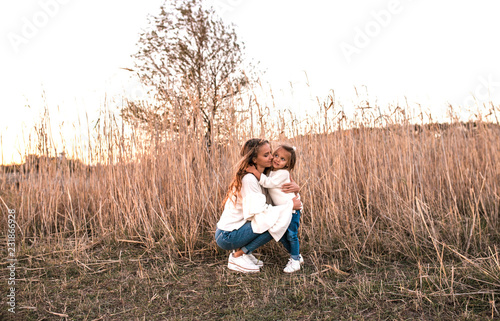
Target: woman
<point x="247" y="216"/>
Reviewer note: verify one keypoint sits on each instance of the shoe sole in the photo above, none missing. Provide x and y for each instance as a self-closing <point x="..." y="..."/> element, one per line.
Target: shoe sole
<point x="236" y="267"/>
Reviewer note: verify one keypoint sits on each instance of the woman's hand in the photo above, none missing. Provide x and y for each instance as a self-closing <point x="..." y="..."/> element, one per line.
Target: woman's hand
<point x="290" y="188"/>
<point x="297" y="204"/>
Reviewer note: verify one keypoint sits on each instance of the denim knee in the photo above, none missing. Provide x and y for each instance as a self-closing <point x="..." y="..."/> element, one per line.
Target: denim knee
<point x="220" y="239"/>
<point x="291" y="236"/>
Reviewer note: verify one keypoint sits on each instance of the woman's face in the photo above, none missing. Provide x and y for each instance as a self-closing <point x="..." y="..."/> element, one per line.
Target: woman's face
<point x="264" y="157"/>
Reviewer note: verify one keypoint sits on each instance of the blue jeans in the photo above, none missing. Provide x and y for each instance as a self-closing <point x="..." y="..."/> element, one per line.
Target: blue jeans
<point x="243" y="238"/>
<point x="290" y="240"/>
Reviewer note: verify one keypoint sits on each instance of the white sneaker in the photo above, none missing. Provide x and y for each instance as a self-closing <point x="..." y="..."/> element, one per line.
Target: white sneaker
<point x="292" y="266"/>
<point x="255" y="260"/>
<point x="242" y="264"/>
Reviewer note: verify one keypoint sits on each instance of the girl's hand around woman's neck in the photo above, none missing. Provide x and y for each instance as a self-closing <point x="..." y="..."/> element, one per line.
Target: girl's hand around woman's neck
<point x="252" y="169"/>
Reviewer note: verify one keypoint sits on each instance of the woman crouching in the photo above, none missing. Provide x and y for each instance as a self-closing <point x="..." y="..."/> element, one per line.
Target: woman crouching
<point x="247" y="218"/>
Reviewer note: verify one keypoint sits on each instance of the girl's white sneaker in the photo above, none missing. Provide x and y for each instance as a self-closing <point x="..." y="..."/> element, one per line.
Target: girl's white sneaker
<point x="292" y="266"/>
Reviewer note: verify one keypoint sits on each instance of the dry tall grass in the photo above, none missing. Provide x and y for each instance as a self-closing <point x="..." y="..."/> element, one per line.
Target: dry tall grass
<point x="419" y="193"/>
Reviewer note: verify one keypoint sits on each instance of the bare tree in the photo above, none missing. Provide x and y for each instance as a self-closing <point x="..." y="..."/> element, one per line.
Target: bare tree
<point x="193" y="61"/>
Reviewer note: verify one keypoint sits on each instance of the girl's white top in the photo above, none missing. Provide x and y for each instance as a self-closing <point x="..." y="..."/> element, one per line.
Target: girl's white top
<point x="251" y="206"/>
<point x="274" y="182"/>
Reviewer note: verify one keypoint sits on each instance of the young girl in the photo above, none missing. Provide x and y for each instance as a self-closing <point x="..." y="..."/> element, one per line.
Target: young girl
<point x="284" y="159"/>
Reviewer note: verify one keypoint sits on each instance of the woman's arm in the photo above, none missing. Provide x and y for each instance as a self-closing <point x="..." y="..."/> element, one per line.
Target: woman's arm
<point x="263" y="216"/>
<point x="291" y="187"/>
<point x="297" y="204"/>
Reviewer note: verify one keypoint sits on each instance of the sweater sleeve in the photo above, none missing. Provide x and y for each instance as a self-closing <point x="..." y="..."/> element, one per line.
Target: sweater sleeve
<point x="278" y="178"/>
<point x="263" y="216"/>
<point x="254" y="201"/>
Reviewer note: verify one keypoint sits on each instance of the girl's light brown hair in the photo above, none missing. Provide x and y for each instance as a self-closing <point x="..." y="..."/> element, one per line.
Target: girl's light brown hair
<point x="248" y="152"/>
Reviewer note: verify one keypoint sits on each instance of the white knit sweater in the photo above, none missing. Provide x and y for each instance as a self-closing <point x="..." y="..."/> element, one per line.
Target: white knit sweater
<point x="251" y="206"/>
<point x="274" y="182"/>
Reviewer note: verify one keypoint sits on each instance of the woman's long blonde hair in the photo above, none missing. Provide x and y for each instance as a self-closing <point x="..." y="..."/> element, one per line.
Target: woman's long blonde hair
<point x="248" y="152"/>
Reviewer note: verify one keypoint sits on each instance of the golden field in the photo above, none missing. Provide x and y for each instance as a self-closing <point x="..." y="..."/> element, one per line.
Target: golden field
<point x="375" y="189"/>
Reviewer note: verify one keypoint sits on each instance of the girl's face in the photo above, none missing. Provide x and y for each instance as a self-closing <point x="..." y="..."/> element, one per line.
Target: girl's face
<point x="281" y="158"/>
<point x="264" y="158"/>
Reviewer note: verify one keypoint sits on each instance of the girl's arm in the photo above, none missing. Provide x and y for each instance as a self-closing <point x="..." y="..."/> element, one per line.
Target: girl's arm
<point x="277" y="180"/>
<point x="251" y="169"/>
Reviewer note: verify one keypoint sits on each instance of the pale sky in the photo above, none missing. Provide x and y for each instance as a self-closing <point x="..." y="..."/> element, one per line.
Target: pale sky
<point x="432" y="52"/>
